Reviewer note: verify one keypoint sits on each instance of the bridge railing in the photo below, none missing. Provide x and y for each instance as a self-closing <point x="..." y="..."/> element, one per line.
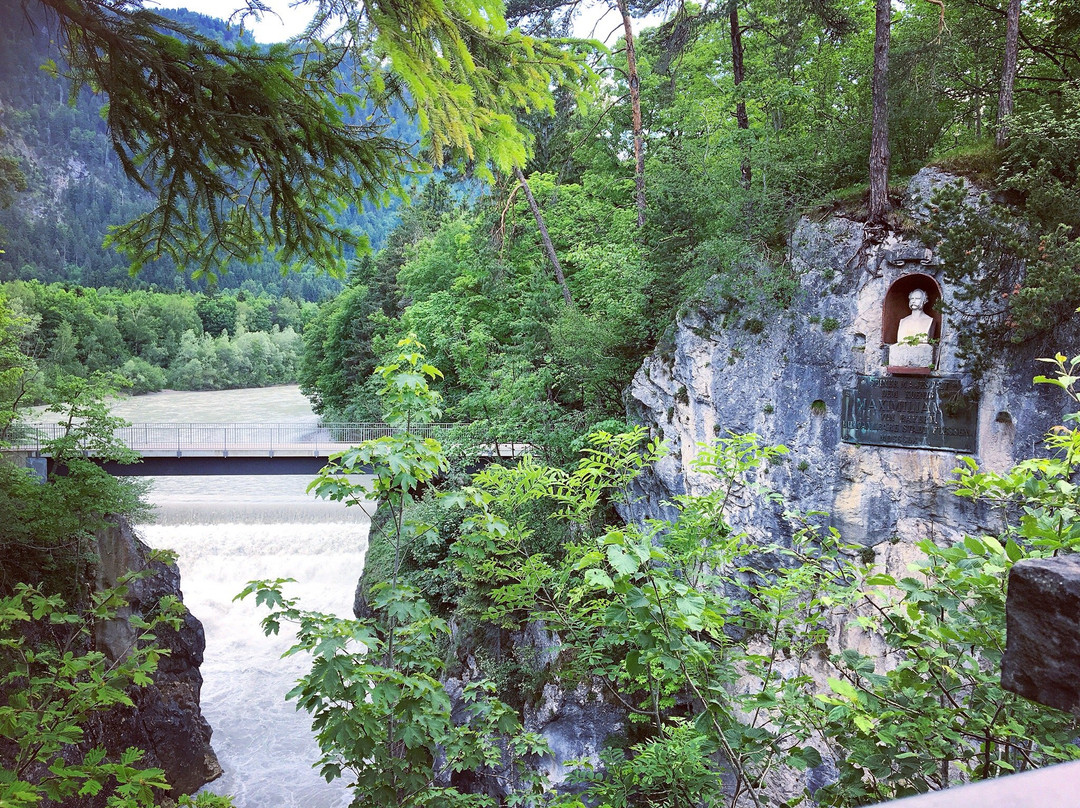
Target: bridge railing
<point x="224" y="437"/>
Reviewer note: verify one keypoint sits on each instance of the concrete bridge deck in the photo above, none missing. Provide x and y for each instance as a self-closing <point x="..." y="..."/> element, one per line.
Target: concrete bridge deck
<point x="228" y="439"/>
<point x="167" y="449"/>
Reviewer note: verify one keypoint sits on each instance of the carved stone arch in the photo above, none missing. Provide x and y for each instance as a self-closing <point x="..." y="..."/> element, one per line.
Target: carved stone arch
<point x="895" y="307"/>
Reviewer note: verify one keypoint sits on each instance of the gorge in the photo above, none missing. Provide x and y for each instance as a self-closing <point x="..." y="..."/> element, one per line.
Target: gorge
<point x="785" y="449"/>
<point x="786" y="382"/>
<point x="227" y="531"/>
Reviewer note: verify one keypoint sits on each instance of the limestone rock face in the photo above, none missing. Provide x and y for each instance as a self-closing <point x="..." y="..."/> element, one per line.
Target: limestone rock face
<point x="575" y="721"/>
<point x="166" y="721"/>
<point x="784" y="378"/>
<point x="576" y="724"/>
<point x="1042" y="655"/>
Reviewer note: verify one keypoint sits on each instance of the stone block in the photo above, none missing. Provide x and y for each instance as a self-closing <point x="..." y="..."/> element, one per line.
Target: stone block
<point x="911" y="356"/>
<point x="1042" y="654"/>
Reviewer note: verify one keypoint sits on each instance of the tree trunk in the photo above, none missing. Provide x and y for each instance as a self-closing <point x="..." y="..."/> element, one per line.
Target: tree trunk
<point x="879" y="138"/>
<point x="739" y="71"/>
<point x="549" y="248"/>
<point x="1008" y="72"/>
<point x="635" y="106"/>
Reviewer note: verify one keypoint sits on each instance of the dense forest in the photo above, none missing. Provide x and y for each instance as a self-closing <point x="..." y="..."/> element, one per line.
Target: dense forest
<point x="623" y="185"/>
<point x="751" y="116"/>
<point x="153" y="340"/>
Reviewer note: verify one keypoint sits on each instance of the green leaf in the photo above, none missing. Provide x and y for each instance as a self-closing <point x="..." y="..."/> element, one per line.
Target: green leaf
<point x="598" y="579"/>
<point x="863" y="722"/>
<point x="804" y="757"/>
<point x="881" y="579"/>
<point x="623" y="562"/>
<point x="994" y="545"/>
<point x="90" y="788"/>
<point x="975" y="546"/>
<point x="1013" y="551"/>
<point x="843" y="688"/>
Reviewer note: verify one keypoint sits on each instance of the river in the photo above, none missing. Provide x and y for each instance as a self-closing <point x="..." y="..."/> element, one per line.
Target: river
<point x="227" y="531"/>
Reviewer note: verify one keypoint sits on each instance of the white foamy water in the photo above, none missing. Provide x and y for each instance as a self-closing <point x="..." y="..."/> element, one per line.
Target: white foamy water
<point x="226" y="532"/>
<point x="258" y="528"/>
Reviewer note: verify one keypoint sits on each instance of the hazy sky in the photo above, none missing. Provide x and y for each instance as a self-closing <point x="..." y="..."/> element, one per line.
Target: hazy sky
<point x="595" y="21"/>
<point x="269" y="29"/>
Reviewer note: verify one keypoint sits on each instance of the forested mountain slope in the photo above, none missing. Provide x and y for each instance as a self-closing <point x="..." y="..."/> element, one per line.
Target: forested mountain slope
<point x="76" y="189"/>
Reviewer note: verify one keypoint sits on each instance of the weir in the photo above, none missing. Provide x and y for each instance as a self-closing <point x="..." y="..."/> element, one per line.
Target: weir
<point x="225" y="533"/>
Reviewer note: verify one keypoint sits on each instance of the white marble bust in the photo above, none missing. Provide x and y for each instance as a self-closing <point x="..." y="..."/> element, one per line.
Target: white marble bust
<point x="917" y="324"/>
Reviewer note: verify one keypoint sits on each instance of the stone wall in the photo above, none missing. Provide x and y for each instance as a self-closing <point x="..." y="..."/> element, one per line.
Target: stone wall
<point x="1042" y="654"/>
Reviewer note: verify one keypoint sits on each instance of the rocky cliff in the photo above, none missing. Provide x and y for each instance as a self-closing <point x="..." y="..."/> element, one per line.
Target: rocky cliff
<point x="576" y="722"/>
<point x="166" y="721"/>
<point x="787" y="376"/>
<point x="792" y="377"/>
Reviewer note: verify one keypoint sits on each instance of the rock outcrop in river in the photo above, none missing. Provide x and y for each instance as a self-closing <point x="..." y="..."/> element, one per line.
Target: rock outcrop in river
<point x="166" y="721"/>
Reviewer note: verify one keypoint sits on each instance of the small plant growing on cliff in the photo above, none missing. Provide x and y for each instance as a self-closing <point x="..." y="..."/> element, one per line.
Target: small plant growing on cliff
<point x="651" y="612"/>
<point x="829" y="324"/>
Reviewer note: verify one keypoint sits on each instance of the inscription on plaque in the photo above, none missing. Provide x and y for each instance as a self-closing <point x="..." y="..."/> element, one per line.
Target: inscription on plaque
<point x="911" y="412"/>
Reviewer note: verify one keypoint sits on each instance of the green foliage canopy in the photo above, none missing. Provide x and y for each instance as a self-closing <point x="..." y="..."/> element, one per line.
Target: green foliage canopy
<point x="1025" y="241"/>
<point x="156" y="339"/>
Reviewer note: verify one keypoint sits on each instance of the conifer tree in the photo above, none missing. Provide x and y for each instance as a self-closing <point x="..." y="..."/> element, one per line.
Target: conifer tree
<point x="252" y="148"/>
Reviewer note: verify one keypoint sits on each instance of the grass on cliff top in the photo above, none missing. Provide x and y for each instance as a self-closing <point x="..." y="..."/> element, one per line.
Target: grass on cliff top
<point x="853" y="203"/>
<point x="979" y="162"/>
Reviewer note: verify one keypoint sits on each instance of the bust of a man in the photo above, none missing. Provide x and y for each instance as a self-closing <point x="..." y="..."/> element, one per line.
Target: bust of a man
<point x="917" y="324"/>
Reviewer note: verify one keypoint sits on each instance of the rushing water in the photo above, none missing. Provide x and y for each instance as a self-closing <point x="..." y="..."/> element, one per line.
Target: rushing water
<point x="227" y="531"/>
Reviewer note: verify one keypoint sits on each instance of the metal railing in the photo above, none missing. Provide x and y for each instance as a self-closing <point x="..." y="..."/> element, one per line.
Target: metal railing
<point x="225" y="437"/>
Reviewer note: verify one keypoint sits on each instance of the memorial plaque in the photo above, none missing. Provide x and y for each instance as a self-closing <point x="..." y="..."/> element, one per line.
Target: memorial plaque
<point x="915" y="412"/>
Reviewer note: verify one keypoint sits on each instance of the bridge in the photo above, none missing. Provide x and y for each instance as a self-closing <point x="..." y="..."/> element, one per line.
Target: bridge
<point x="168" y="449"/>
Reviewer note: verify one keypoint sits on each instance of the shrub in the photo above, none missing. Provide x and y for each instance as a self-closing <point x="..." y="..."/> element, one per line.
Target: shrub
<point x="141" y="376"/>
